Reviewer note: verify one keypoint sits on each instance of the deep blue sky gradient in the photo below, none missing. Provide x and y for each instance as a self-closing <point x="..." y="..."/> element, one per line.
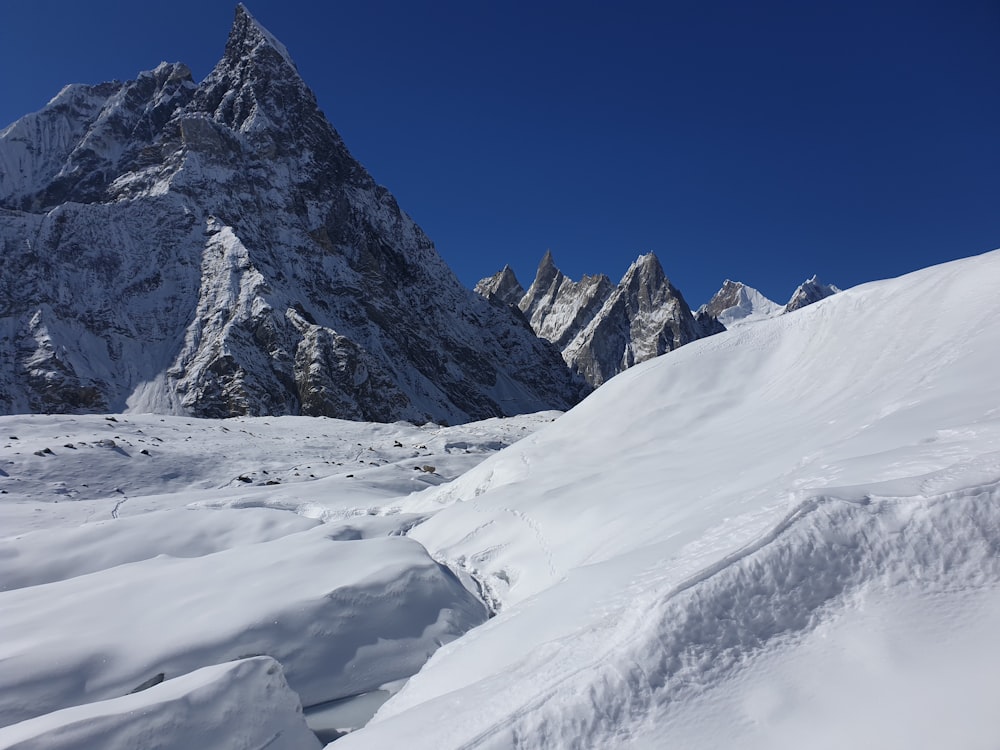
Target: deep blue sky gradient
<point x="763" y="141"/>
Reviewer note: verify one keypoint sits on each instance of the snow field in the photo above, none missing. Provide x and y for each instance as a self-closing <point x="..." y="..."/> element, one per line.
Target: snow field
<point x="207" y="562"/>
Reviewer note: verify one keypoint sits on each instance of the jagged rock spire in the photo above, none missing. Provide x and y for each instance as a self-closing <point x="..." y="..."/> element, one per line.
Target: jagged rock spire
<point x="600" y="328"/>
<point x="502" y="286"/>
<point x="810" y="291"/>
<point x="248" y="37"/>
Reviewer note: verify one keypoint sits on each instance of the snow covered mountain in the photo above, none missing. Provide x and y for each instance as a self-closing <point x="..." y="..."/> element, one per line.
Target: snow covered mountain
<point x="601" y="328"/>
<point x="736" y="302"/>
<point x="213" y="249"/>
<point x="810" y="291"/>
<point x="783" y="536"/>
<point x="503" y="287"/>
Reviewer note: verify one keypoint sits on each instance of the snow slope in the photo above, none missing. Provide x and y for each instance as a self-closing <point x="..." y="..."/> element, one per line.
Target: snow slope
<point x="677" y="558"/>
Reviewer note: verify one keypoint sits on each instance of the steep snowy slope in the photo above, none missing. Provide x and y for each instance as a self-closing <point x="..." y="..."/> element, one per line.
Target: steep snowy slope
<point x="214" y="250"/>
<point x="720" y="546"/>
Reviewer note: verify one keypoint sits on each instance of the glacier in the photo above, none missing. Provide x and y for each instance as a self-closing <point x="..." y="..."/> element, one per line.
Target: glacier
<point x="783" y="535"/>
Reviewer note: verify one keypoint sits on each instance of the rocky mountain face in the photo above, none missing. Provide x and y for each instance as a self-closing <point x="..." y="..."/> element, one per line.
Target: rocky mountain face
<point x="810" y="291"/>
<point x="736" y="302"/>
<point x="501" y="287"/>
<point x="213" y="249"/>
<point x="602" y="328"/>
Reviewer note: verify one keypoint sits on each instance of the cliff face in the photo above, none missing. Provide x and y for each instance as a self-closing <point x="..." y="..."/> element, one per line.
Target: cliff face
<point x="213" y="249"/>
<point x="736" y="302"/>
<point x="602" y="328"/>
<point x="810" y="291"/>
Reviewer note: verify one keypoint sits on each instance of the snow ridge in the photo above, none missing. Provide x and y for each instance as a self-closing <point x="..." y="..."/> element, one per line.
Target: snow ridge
<point x="668" y="644"/>
<point x="764" y="490"/>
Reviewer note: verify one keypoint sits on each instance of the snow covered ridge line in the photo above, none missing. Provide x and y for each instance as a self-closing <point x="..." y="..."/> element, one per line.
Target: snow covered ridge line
<point x="667" y="645"/>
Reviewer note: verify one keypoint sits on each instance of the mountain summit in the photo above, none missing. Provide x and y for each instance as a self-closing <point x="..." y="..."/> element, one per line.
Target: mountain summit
<point x="603" y="329"/>
<point x="736" y="302"/>
<point x="809" y="292"/>
<point x="214" y="249"/>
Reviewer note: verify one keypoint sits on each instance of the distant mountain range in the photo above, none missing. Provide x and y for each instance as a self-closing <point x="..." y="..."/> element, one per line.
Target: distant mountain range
<point x="213" y="249"/>
<point x="602" y="329"/>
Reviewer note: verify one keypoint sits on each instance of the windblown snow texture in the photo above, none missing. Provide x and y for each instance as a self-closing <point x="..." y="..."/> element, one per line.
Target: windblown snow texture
<point x="213" y="249"/>
<point x="691" y="556"/>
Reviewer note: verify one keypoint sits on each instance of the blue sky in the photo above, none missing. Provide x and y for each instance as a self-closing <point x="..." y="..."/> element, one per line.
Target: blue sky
<point x="763" y="141"/>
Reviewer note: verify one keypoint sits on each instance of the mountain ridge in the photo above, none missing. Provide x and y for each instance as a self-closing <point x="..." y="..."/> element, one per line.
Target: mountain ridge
<point x="214" y="249"/>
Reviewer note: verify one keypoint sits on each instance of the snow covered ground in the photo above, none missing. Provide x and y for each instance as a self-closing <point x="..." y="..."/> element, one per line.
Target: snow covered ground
<point x="786" y="535"/>
<point x="140" y="548"/>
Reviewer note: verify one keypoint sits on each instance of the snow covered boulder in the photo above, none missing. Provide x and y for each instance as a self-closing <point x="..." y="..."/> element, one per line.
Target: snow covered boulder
<point x="342" y="617"/>
<point x="234" y="706"/>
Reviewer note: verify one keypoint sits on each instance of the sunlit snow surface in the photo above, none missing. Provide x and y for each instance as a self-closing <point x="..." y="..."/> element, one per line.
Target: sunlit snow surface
<point x="761" y="538"/>
<point x="141" y="547"/>
<point x="782" y="536"/>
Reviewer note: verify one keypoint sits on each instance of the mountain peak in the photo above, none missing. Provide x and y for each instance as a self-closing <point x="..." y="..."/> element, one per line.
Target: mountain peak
<point x="736" y="302"/>
<point x="547" y="275"/>
<point x="811" y="290"/>
<point x="648" y="269"/>
<point x="502" y="286"/>
<point x="256" y="89"/>
<point x="222" y="235"/>
<point x="248" y="38"/>
<point x="547" y="264"/>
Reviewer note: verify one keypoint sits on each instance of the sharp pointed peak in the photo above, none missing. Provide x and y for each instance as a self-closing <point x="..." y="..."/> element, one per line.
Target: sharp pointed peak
<point x="646" y="265"/>
<point x="247" y="36"/>
<point x="547" y="271"/>
<point x="647" y="259"/>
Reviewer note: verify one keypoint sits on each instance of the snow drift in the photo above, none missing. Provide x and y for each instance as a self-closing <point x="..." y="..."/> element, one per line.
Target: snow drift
<point x="206" y="708"/>
<point x="706" y="514"/>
